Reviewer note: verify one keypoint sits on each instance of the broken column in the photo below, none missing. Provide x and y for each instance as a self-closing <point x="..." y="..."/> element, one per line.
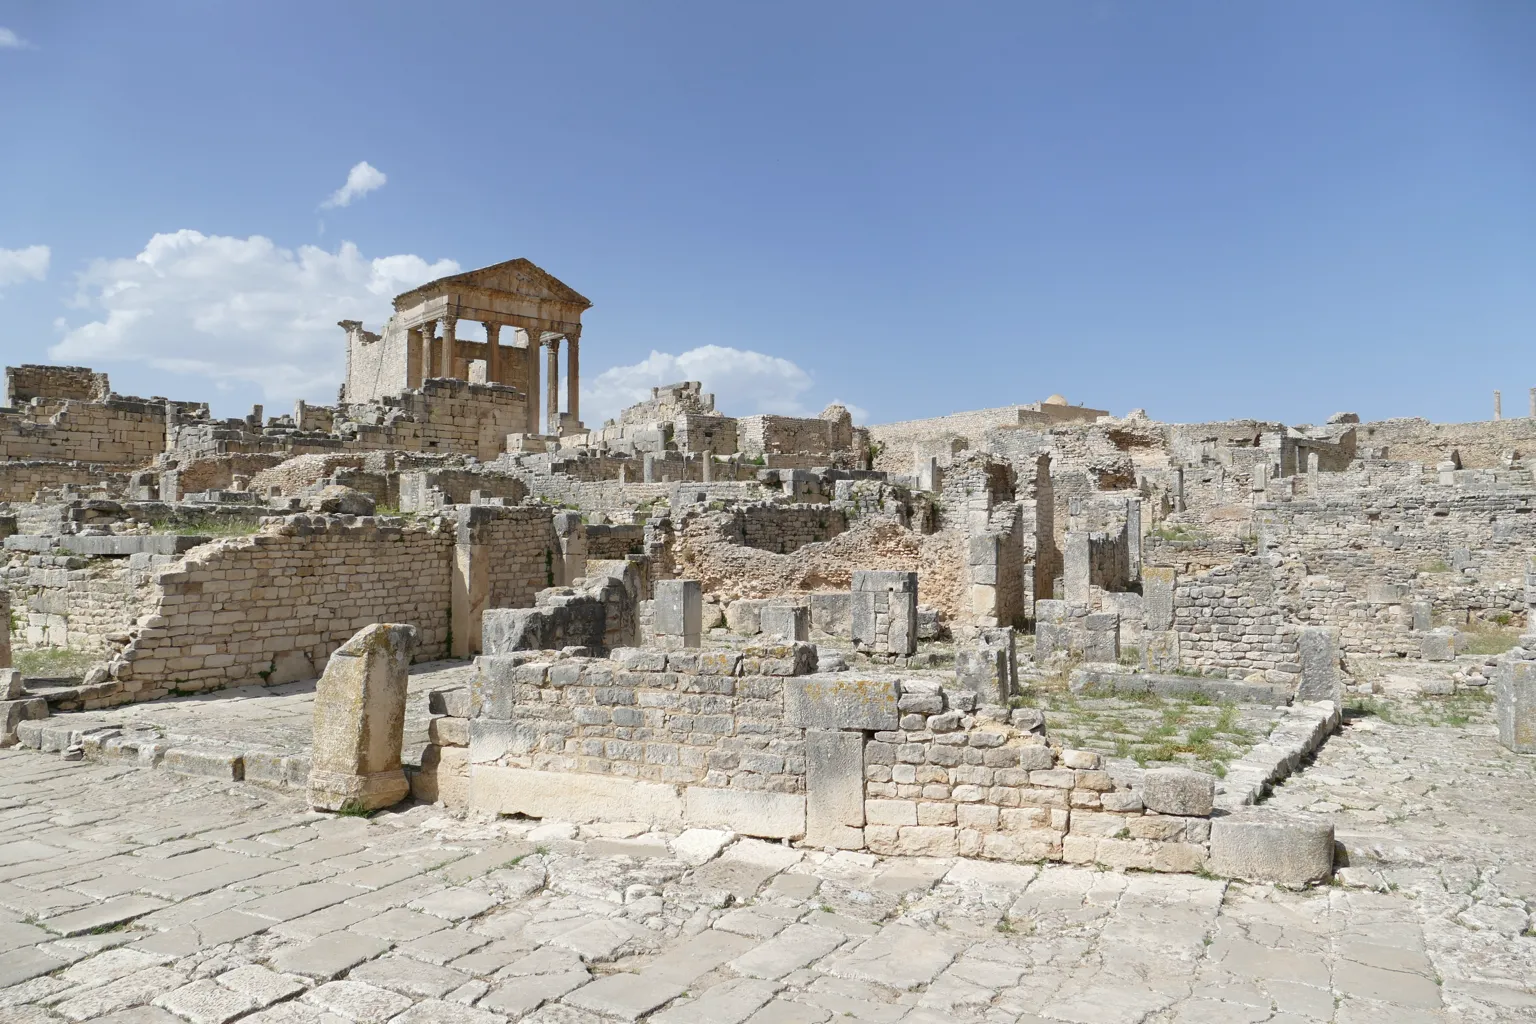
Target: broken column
<point x="679" y="613"/>
<point x="883" y="606"/>
<point x="359" y="721"/>
<point x="984" y="552"/>
<point x="1318" y="647"/>
<point x="989" y="668"/>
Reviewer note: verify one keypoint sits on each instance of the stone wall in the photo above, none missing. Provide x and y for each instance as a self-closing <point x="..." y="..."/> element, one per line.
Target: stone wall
<point x="31" y="380"/>
<point x="1235" y="617"/>
<point x="748" y="740"/>
<point x="118" y="431"/>
<point x="1480" y="444"/>
<point x="23" y="480"/>
<point x="785" y="528"/>
<point x="276" y="604"/>
<point x="773" y="435"/>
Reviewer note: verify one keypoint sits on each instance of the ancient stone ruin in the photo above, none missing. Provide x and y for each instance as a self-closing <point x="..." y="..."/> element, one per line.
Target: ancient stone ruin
<point x="852" y="638"/>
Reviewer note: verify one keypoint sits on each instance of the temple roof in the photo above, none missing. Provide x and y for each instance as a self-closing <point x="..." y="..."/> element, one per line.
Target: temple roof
<point x="514" y="277"/>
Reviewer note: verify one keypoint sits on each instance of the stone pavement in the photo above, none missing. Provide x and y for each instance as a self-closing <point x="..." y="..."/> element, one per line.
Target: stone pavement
<point x="129" y="895"/>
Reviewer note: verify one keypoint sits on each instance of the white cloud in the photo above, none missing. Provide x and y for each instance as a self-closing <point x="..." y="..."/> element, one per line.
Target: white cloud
<point x="29" y="264"/>
<point x="9" y="40"/>
<point x="743" y="382"/>
<point x="238" y="309"/>
<point x="361" y="179"/>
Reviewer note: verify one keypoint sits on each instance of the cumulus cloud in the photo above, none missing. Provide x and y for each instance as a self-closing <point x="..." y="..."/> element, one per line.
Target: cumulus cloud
<point x="361" y="179"/>
<point x="29" y="264"/>
<point x="9" y="40"/>
<point x="237" y="310"/>
<point x="743" y="382"/>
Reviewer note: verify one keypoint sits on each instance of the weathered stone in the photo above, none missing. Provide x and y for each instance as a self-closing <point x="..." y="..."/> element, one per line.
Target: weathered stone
<point x="1270" y="848"/>
<point x="679" y="611"/>
<point x="786" y="621"/>
<point x="842" y="701"/>
<point x="1514" y="705"/>
<point x="1320" y="680"/>
<point x="1178" y="791"/>
<point x="360" y="719"/>
<point x="834" y="789"/>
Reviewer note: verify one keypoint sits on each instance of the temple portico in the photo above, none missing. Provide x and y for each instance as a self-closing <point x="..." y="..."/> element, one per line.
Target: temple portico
<point x="521" y="308"/>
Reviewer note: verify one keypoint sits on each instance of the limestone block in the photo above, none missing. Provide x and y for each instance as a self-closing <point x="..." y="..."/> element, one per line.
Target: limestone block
<point x="5" y="629"/>
<point x="1438" y="644"/>
<point x="748" y="812"/>
<point x="989" y="667"/>
<point x="1266" y="847"/>
<point x="744" y="616"/>
<point x="883" y="611"/>
<point x="571" y="796"/>
<point x="11" y="686"/>
<point x="1514" y="705"/>
<point x="14" y="712"/>
<point x="1178" y="791"/>
<point x="842" y="701"/>
<point x="1157" y="593"/>
<point x="1423" y="616"/>
<point x="1103" y="639"/>
<point x="831" y="614"/>
<point x="359" y="721"/>
<point x="834" y="789"/>
<point x="679" y="610"/>
<point x="786" y="621"/>
<point x="1320" y="680"/>
<point x="1160" y="651"/>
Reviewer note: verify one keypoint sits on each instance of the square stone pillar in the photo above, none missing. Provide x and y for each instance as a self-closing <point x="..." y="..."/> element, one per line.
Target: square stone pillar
<point x="1076" y="558"/>
<point x="1318" y="647"/>
<point x="5" y="629"/>
<point x="883" y="607"/>
<point x="359" y="721"/>
<point x="1514" y="705"/>
<point x="679" y="611"/>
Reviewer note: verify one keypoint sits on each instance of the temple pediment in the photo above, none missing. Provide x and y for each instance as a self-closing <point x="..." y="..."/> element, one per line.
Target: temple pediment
<point x="520" y="277"/>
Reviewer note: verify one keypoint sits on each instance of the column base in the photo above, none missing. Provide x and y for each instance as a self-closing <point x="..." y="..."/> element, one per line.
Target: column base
<point x="337" y="791"/>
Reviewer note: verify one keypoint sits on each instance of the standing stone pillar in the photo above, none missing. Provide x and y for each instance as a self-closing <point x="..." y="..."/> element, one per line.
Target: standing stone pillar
<point x="1133" y="534"/>
<point x="5" y="629"/>
<point x="552" y="397"/>
<point x="883" y="610"/>
<point x="679" y="611"/>
<point x="450" y="345"/>
<point x="573" y="375"/>
<point x="1312" y="474"/>
<point x="1514" y="705"/>
<point x="1076" y="573"/>
<point x="1498" y="406"/>
<point x="359" y="721"/>
<point x="1159" y="639"/>
<point x="492" y="353"/>
<point x="531" y="354"/>
<point x="1319" y="650"/>
<point x="428" y="350"/>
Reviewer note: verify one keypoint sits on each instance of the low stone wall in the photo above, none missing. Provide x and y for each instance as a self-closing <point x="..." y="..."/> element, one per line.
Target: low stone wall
<point x="757" y="742"/>
<point x="1231" y="618"/>
<point x="34" y="380"/>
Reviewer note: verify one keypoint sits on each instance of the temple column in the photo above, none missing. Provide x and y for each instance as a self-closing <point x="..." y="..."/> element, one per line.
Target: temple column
<point x="450" y="345"/>
<point x="428" y="350"/>
<point x="413" y="367"/>
<point x="553" y="362"/>
<point x="531" y="353"/>
<point x="573" y="372"/>
<point x="492" y="353"/>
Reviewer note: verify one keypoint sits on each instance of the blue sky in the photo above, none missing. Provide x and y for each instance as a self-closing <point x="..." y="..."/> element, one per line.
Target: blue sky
<point x="1200" y="208"/>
